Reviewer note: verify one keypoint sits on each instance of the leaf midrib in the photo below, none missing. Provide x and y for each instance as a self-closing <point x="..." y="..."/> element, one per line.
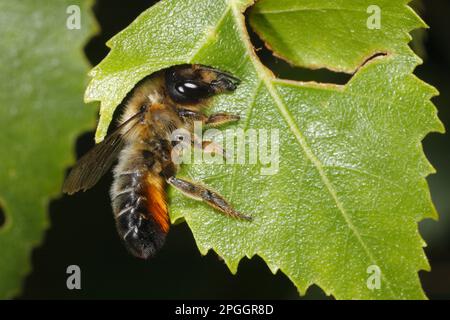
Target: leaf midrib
<point x="267" y="78"/>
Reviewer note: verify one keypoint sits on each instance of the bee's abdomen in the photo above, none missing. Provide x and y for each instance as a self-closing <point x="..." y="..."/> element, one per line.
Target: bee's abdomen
<point x="140" y="210"/>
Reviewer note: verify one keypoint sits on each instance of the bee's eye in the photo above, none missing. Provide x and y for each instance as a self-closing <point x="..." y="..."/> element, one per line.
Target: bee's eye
<point x="189" y="92"/>
<point x="186" y="89"/>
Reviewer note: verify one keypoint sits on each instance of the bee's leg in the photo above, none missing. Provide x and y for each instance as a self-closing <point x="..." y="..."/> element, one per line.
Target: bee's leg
<point x="220" y="118"/>
<point x="206" y="146"/>
<point x="210" y="147"/>
<point x="212" y="198"/>
<point x="215" y="119"/>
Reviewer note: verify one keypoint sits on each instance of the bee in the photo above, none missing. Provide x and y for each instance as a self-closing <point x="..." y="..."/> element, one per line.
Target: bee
<point x="165" y="101"/>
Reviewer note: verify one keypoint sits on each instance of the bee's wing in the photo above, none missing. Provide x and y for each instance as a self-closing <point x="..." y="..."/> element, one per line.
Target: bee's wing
<point x="94" y="164"/>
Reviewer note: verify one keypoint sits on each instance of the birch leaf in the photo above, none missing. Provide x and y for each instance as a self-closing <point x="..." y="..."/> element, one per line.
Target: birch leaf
<point x="344" y="200"/>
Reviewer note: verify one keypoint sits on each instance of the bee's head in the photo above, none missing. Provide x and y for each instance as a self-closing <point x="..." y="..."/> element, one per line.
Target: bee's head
<point x="189" y="84"/>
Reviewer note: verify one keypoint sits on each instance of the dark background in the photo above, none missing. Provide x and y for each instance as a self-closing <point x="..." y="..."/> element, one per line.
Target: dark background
<point x="83" y="233"/>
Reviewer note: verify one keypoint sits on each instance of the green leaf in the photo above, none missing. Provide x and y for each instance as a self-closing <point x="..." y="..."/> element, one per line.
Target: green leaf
<point x="333" y="34"/>
<point x="351" y="185"/>
<point x="41" y="113"/>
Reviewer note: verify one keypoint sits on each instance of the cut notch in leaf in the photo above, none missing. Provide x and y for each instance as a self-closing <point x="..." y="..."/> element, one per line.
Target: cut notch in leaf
<point x="337" y="35"/>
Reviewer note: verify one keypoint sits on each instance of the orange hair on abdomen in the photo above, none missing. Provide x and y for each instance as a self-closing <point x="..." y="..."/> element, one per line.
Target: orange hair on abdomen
<point x="157" y="201"/>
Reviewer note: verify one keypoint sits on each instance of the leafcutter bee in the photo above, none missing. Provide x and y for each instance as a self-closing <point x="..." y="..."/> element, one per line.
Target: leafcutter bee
<point x="161" y="103"/>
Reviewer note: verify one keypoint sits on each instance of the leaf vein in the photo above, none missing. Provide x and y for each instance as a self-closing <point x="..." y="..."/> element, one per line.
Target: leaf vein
<point x="266" y="77"/>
